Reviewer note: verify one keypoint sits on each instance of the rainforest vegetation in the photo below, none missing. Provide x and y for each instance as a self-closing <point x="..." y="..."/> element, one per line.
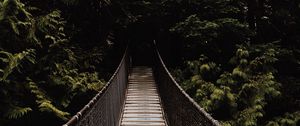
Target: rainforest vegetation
<point x="238" y="59"/>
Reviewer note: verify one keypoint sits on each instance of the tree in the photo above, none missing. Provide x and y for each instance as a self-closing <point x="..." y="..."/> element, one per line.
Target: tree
<point x="43" y="70"/>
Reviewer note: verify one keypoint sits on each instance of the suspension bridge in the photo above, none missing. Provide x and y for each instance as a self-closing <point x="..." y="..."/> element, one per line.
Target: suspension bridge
<point x="142" y="96"/>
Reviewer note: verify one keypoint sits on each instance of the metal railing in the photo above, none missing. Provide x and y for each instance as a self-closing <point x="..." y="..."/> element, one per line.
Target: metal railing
<point x="106" y="107"/>
<point x="179" y="108"/>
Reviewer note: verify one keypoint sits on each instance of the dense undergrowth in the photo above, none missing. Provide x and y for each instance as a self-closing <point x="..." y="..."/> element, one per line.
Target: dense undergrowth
<point x="49" y="67"/>
<point x="242" y="65"/>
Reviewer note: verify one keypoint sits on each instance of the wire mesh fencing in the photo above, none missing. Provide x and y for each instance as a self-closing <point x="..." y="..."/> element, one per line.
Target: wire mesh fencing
<point x="179" y="108"/>
<point x="106" y="107"/>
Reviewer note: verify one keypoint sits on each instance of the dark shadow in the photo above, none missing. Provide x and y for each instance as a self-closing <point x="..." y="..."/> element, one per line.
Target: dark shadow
<point x="142" y="53"/>
<point x="140" y="36"/>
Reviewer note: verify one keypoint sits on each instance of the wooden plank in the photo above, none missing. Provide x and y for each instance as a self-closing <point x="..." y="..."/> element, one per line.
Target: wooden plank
<point x="143" y="119"/>
<point x="143" y="107"/>
<point x="142" y="124"/>
<point x="142" y="111"/>
<point x="142" y="103"/>
<point x="147" y="115"/>
<point x="142" y="99"/>
<point x="136" y="102"/>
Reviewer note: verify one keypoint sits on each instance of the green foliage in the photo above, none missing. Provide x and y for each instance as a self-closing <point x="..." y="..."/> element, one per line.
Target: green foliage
<point x="240" y="95"/>
<point x="211" y="34"/>
<point x="47" y="106"/>
<point x="16" y="112"/>
<point x="9" y="64"/>
<point x="74" y="82"/>
<point x="14" y="61"/>
<point x="196" y="25"/>
<point x="236" y="55"/>
<point x="44" y="102"/>
<point x="289" y="119"/>
<point x="41" y="71"/>
<point x="52" y="27"/>
<point x="17" y="25"/>
<point x="209" y="31"/>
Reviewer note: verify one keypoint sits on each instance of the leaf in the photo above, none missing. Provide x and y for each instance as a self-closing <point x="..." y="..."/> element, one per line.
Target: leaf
<point x="239" y="73"/>
<point x="16" y="112"/>
<point x="15" y="60"/>
<point x="217" y="94"/>
<point x="14" y="26"/>
<point x="44" y="103"/>
<point x="46" y="106"/>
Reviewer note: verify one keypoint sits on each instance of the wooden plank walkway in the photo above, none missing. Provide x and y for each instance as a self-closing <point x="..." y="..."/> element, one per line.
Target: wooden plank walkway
<point x="142" y="104"/>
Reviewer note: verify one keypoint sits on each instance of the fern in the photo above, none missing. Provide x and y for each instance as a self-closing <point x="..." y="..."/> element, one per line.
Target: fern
<point x="52" y="25"/>
<point x="44" y="102"/>
<point x="241" y="94"/>
<point x="49" y="22"/>
<point x="288" y="119"/>
<point x="47" y="106"/>
<point x="18" y="24"/>
<point x="26" y="76"/>
<point x="14" y="61"/>
<point x="237" y="72"/>
<point x="249" y="117"/>
<point x="16" y="112"/>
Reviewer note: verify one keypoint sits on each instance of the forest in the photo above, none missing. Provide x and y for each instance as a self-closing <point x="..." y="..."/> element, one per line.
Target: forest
<point x="238" y="59"/>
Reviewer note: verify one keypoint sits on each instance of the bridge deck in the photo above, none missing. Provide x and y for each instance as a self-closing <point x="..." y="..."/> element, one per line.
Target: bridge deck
<point x="142" y="104"/>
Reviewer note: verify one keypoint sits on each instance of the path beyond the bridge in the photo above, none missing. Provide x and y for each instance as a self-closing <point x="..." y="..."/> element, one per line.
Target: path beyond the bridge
<point x="142" y="104"/>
